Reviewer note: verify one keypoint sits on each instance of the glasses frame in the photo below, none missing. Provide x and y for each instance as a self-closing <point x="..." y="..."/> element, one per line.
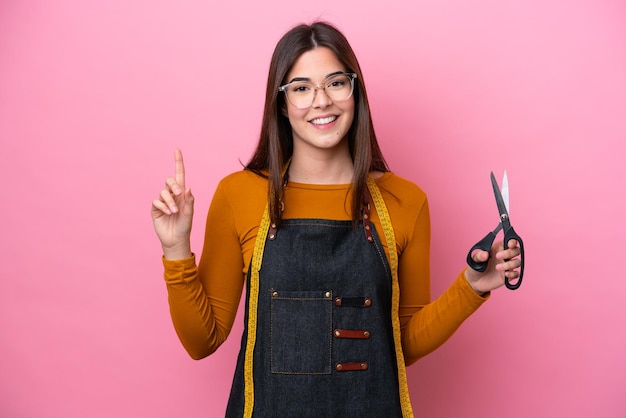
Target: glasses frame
<point x="351" y="76"/>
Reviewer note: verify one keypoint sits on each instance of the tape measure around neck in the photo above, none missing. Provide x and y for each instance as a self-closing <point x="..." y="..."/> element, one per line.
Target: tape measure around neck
<point x="390" y="238"/>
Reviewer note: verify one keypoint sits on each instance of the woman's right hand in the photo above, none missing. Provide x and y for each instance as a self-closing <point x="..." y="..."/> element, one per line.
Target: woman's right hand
<point x="172" y="214"/>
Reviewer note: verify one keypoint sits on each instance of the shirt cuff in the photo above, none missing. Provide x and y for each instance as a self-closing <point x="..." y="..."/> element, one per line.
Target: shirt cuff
<point x="177" y="271"/>
<point x="468" y="292"/>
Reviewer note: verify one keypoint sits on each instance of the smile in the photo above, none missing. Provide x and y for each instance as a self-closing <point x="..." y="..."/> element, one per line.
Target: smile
<point x="324" y="121"/>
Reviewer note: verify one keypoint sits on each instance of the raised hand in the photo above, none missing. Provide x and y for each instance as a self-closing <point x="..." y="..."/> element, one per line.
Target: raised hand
<point x="172" y="213"/>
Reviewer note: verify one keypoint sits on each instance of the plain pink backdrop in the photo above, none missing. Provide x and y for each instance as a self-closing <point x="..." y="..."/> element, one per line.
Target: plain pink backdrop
<point x="95" y="95"/>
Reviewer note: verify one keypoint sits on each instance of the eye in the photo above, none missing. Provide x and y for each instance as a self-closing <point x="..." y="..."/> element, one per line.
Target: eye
<point x="337" y="82"/>
<point x="300" y="88"/>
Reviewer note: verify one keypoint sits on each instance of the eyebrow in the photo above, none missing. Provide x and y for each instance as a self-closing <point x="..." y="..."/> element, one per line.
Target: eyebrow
<point x="308" y="79"/>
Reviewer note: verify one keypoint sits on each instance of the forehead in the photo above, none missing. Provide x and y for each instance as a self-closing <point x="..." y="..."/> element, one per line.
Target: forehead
<point x="315" y="64"/>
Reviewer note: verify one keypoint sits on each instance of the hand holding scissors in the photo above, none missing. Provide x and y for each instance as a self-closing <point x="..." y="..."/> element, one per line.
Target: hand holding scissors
<point x="502" y="200"/>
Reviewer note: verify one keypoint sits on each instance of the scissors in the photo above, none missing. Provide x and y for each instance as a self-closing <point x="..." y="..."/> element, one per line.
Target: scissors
<point x="502" y="200"/>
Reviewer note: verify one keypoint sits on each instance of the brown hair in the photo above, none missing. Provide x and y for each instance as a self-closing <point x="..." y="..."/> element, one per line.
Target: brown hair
<point x="275" y="145"/>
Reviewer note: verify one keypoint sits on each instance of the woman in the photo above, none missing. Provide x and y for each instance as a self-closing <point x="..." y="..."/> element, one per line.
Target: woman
<point x="338" y="296"/>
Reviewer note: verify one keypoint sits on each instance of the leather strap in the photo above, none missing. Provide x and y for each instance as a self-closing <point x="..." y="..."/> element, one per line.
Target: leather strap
<point x="366" y="216"/>
<point x="354" y="366"/>
<point x="353" y="302"/>
<point x="360" y="334"/>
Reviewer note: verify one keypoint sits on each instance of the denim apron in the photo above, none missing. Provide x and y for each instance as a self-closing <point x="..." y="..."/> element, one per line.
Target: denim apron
<point x="319" y="337"/>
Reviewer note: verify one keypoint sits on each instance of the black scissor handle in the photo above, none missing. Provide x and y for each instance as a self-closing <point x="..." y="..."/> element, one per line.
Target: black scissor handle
<point x="510" y="234"/>
<point x="483" y="245"/>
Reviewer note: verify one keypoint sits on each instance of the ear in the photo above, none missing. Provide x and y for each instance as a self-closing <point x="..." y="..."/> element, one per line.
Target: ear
<point x="283" y="110"/>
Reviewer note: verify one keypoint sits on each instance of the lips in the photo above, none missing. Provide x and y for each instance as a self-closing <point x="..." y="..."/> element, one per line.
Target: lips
<point x="323" y="121"/>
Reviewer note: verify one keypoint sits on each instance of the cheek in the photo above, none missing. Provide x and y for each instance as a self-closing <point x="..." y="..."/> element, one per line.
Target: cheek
<point x="293" y="114"/>
<point x="349" y="112"/>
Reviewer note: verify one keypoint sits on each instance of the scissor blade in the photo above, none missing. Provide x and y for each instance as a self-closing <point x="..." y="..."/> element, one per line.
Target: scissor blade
<point x="499" y="201"/>
<point x="505" y="192"/>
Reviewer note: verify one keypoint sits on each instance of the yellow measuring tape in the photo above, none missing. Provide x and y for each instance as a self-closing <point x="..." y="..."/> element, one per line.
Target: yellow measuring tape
<point x="385" y="221"/>
<point x="253" y="302"/>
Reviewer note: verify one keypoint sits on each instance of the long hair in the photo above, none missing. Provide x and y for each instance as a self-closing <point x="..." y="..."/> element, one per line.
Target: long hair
<point x="275" y="146"/>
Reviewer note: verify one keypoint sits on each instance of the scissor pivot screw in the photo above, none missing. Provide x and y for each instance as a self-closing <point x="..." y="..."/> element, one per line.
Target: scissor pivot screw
<point x="504" y="217"/>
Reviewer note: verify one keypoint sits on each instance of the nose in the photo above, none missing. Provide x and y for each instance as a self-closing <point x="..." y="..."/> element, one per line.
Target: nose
<point x="320" y="98"/>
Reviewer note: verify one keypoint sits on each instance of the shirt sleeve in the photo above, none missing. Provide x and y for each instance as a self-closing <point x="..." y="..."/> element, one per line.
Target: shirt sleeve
<point x="427" y="325"/>
<point x="204" y="299"/>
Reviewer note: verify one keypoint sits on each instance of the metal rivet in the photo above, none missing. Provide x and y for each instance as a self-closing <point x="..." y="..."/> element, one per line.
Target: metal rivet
<point x="365" y="216"/>
<point x="363" y="365"/>
<point x="337" y="333"/>
<point x="370" y="239"/>
<point x="274" y="294"/>
<point x="338" y="366"/>
<point x="273" y="225"/>
<point x="366" y="334"/>
<point x="328" y="294"/>
<point x="272" y="236"/>
<point x="368" y="302"/>
<point x="338" y="301"/>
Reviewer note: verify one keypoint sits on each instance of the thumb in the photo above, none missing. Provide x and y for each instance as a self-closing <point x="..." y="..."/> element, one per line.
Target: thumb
<point x="480" y="256"/>
<point x="189" y="196"/>
<point x="189" y="199"/>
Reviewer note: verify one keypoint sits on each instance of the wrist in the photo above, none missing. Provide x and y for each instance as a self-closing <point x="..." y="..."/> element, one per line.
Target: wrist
<point x="177" y="252"/>
<point x="473" y="286"/>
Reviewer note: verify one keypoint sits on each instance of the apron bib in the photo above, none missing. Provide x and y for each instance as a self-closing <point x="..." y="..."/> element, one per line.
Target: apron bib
<point x="319" y="339"/>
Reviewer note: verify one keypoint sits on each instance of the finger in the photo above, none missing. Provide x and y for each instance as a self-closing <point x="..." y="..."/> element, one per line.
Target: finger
<point x="173" y="186"/>
<point x="159" y="208"/>
<point x="508" y="254"/>
<point x="511" y="274"/>
<point x="480" y="256"/>
<point x="180" y="168"/>
<point x="509" y="265"/>
<point x="166" y="197"/>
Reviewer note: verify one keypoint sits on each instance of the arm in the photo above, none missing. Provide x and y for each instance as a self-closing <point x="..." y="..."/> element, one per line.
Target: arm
<point x="203" y="300"/>
<point x="427" y="325"/>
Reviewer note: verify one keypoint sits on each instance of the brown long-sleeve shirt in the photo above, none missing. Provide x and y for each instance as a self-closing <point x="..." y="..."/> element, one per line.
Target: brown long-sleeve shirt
<point x="204" y="299"/>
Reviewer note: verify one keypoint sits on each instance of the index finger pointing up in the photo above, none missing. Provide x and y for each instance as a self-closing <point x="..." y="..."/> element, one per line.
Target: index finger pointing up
<point x="180" y="168"/>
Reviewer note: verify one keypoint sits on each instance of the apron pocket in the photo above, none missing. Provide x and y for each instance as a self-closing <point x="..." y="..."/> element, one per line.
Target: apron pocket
<point x="301" y="332"/>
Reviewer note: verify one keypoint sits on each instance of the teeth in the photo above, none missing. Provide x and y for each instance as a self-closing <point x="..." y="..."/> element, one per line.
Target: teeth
<point x="323" y="121"/>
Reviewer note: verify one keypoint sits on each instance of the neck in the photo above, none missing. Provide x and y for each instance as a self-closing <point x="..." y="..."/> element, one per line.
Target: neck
<point x="337" y="169"/>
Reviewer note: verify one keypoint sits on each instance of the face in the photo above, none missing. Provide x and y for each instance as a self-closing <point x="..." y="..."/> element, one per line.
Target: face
<point x="324" y="126"/>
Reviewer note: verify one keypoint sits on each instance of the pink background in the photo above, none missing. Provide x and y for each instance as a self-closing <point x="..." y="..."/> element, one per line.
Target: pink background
<point x="94" y="97"/>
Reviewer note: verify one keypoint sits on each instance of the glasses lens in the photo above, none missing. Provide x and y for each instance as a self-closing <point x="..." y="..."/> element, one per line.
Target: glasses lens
<point x="302" y="94"/>
<point x="339" y="88"/>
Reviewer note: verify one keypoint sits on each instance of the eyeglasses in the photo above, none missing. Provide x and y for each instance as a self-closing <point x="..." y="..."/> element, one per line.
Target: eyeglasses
<point x="338" y="88"/>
